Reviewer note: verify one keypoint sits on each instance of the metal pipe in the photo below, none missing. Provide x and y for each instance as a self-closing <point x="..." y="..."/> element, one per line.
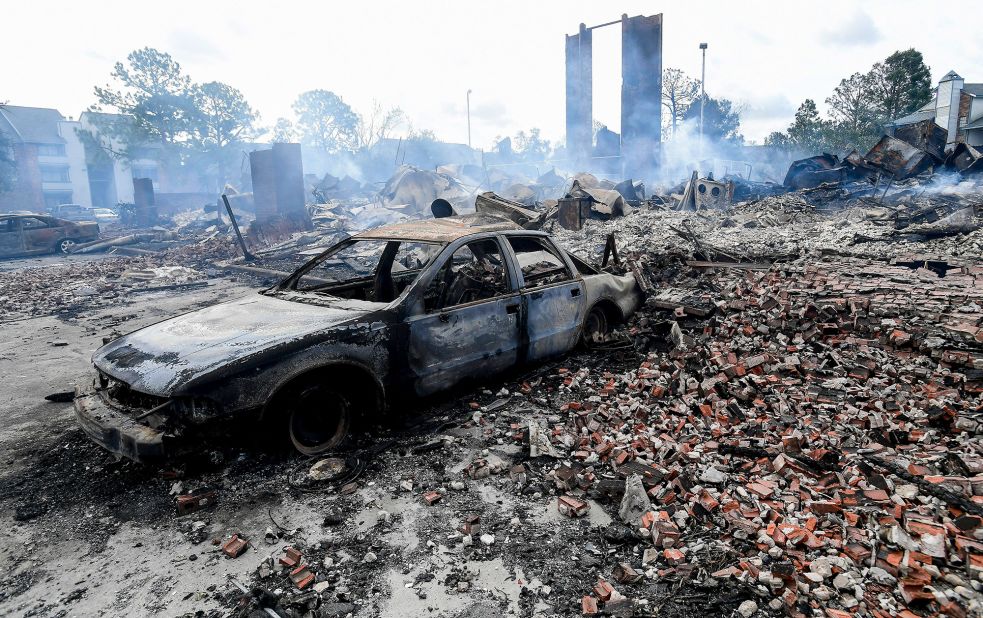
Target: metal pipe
<point x="249" y="257"/>
<point x="610" y="23"/>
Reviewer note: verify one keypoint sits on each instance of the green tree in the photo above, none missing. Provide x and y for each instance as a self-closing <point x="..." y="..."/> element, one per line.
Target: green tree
<point x="378" y="124"/>
<point x="223" y="116"/>
<point x="860" y="106"/>
<point x="678" y="93"/>
<point x="223" y="121"/>
<point x="325" y="121"/>
<point x="284" y="132"/>
<point x="779" y="139"/>
<point x="194" y="128"/>
<point x="152" y="91"/>
<point x="721" y="120"/>
<point x="901" y="84"/>
<point x="422" y="136"/>
<point x="853" y="115"/>
<point x="808" y="132"/>
<point x="530" y="146"/>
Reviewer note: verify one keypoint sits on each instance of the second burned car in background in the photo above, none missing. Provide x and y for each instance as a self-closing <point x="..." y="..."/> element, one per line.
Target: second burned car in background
<point x="407" y="310"/>
<point x="30" y="234"/>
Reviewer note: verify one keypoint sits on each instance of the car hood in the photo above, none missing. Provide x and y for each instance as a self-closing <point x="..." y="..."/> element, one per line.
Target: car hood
<point x="161" y="358"/>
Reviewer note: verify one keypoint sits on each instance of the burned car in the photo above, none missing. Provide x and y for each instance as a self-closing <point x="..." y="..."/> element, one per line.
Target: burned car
<point x="22" y="235"/>
<point x="407" y="310"/>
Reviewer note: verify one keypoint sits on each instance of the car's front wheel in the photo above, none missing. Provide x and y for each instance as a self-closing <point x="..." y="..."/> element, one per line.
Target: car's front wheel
<point x="320" y="419"/>
<point x="65" y="245"/>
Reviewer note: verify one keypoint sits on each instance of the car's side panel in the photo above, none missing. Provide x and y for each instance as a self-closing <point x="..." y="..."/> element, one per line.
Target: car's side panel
<point x="554" y="312"/>
<point x="555" y="315"/>
<point x="468" y="341"/>
<point x="41" y="239"/>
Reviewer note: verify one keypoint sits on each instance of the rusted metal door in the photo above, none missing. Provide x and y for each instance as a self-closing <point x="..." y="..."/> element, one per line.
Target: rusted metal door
<point x="11" y="242"/>
<point x="472" y="339"/>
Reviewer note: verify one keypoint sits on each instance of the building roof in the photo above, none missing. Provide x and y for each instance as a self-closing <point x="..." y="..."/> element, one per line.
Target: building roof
<point x="974" y="89"/>
<point x="976" y="124"/>
<point x="32" y="125"/>
<point x="445" y="230"/>
<point x="950" y="75"/>
<point x="913" y="118"/>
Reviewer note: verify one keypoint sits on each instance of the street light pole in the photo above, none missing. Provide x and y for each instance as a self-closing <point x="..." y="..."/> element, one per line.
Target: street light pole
<point x="703" y="92"/>
<point x="469" y="117"/>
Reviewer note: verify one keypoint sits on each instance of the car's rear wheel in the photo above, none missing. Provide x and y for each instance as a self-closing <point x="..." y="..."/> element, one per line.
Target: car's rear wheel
<point x="320" y="419"/>
<point x="595" y="326"/>
<point x="65" y="245"/>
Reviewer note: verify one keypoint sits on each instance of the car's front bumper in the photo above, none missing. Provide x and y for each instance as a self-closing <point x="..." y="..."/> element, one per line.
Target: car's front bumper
<point x="115" y="431"/>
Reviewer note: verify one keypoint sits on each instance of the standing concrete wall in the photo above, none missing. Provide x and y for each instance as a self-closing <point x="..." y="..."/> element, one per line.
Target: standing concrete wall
<point x="289" y="170"/>
<point x="278" y="187"/>
<point x="579" y="93"/>
<point x="641" y="93"/>
<point x="264" y="184"/>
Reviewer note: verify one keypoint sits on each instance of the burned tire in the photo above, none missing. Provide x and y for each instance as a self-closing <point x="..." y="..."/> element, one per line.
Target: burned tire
<point x="595" y="326"/>
<point x="65" y="245"/>
<point x="320" y="419"/>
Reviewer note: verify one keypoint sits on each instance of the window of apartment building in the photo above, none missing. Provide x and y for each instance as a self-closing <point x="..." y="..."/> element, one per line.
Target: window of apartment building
<point x="145" y="171"/>
<point x="56" y="198"/>
<point x="54" y="173"/>
<point x="51" y="150"/>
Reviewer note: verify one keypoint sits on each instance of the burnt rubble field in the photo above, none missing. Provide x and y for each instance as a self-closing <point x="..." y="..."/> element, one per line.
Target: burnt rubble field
<point x="791" y="425"/>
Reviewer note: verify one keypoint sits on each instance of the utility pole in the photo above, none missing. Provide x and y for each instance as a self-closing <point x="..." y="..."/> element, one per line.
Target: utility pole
<point x="469" y="117"/>
<point x="703" y="92"/>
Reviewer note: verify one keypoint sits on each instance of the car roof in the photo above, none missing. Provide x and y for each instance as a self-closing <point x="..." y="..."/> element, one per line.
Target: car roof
<point x="443" y="230"/>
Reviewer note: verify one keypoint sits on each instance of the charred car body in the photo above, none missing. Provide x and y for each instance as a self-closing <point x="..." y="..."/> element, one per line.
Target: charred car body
<point x="405" y="310"/>
<point x="22" y="235"/>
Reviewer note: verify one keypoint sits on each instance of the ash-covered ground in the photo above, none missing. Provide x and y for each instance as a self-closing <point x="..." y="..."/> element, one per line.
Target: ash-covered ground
<point x="795" y="433"/>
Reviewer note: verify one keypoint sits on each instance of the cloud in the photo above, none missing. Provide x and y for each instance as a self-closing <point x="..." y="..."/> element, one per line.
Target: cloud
<point x="486" y="111"/>
<point x="188" y="46"/>
<point x="769" y="107"/>
<point x="858" y="30"/>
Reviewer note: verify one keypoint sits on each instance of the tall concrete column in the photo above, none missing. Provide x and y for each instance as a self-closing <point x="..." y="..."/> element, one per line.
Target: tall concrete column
<point x="641" y="93"/>
<point x="263" y="173"/>
<point x="579" y="96"/>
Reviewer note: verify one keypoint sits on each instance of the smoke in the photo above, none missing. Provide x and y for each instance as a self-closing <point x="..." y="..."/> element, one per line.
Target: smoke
<point x="685" y="152"/>
<point x="948" y="183"/>
<point x="339" y="165"/>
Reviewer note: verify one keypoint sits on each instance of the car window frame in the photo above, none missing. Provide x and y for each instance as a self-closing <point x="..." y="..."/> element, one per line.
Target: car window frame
<point x="45" y="224"/>
<point x="572" y="271"/>
<point x="508" y="261"/>
<point x="412" y="306"/>
<point x="290" y="282"/>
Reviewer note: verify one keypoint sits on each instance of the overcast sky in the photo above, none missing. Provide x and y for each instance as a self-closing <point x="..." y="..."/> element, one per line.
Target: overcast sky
<point x="424" y="56"/>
